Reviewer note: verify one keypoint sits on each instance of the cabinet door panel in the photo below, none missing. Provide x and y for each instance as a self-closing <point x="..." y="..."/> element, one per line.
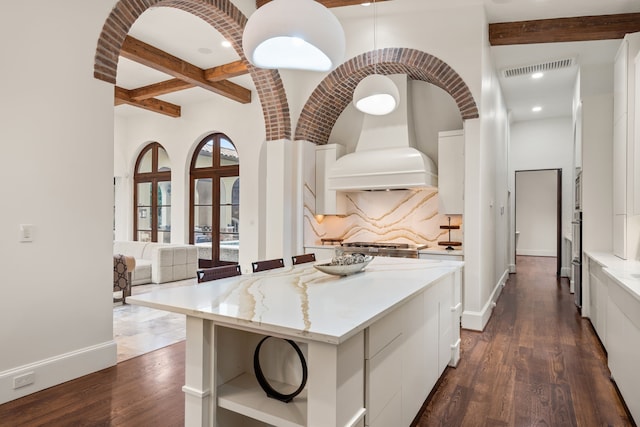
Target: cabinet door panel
<point x="390" y="413"/>
<point x="620" y="166"/>
<point x="620" y="236"/>
<point x="385" y="379"/>
<point x="414" y="357"/>
<point x="384" y="331"/>
<point x="593" y="301"/>
<point x="624" y="347"/>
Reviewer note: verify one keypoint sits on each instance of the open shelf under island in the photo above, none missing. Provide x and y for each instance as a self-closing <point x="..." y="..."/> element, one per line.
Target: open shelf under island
<point x="375" y="342"/>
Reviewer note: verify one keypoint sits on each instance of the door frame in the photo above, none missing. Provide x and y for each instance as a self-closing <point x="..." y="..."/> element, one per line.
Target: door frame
<point x="558" y="214"/>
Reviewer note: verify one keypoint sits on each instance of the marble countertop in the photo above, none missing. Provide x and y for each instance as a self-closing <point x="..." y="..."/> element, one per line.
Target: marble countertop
<point x="302" y="302"/>
<point x="625" y="272"/>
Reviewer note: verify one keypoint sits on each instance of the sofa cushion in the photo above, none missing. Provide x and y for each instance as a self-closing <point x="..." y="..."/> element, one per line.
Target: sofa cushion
<point x="142" y="272"/>
<point x="134" y="249"/>
<point x="150" y="250"/>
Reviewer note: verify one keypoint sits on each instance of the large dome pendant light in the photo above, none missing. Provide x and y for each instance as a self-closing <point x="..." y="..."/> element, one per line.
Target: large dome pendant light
<point x="376" y="94"/>
<point x="294" y="34"/>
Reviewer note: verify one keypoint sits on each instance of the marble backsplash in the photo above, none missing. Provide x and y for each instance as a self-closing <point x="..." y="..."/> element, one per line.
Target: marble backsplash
<point x="402" y="216"/>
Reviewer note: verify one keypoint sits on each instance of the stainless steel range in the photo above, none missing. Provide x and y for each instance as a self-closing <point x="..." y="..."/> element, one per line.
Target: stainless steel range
<point x="399" y="250"/>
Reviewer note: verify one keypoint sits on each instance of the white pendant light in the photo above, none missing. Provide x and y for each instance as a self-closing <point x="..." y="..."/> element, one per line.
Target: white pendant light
<point x="294" y="34"/>
<point x="376" y="94"/>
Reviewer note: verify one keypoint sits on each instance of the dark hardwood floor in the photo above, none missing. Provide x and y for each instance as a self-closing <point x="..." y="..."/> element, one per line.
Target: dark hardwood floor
<point x="143" y="391"/>
<point x="538" y="363"/>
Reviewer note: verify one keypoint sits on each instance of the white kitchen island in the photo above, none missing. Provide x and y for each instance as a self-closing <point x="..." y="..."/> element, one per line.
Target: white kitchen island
<point x="375" y="342"/>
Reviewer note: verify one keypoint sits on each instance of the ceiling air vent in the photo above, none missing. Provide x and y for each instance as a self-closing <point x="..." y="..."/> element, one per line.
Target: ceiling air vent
<point x="535" y="68"/>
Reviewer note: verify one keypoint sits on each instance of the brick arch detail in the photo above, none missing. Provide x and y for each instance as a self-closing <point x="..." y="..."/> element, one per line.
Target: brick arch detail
<point x="335" y="92"/>
<point x="226" y="19"/>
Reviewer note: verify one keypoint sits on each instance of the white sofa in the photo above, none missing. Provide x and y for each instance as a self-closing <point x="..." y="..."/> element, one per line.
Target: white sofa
<point x="159" y="262"/>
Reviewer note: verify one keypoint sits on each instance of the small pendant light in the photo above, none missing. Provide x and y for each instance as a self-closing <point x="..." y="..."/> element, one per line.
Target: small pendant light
<point x="376" y="94"/>
<point x="294" y="34"/>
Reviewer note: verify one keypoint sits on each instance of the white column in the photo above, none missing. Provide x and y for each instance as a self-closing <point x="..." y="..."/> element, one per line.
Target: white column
<point x="277" y="188"/>
<point x="199" y="389"/>
<point x="335" y="386"/>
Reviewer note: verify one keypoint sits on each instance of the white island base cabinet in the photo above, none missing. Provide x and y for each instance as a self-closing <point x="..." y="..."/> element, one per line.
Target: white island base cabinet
<point x="375" y="343"/>
<point x="379" y="377"/>
<point x="407" y="351"/>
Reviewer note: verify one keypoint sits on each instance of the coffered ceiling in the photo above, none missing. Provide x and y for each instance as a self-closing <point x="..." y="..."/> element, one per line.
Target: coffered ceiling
<point x="173" y="60"/>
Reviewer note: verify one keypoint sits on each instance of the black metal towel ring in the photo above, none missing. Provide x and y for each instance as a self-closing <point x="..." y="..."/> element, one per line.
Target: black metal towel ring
<point x="271" y="392"/>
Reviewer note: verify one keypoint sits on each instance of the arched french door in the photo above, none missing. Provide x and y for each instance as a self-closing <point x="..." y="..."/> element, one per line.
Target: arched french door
<point x="152" y="195"/>
<point x="215" y="201"/>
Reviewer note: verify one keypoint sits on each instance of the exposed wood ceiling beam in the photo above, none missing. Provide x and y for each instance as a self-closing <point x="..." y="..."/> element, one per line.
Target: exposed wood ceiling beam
<point x="226" y="71"/>
<point x="157" y="89"/>
<point x="327" y="3"/>
<point x="122" y="96"/>
<point x="157" y="59"/>
<point x="215" y="74"/>
<point x="583" y="28"/>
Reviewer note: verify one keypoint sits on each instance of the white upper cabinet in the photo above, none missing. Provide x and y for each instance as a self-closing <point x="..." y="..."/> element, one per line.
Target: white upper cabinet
<point x="451" y="172"/>
<point x="635" y="136"/>
<point x="626" y="147"/>
<point x="620" y="81"/>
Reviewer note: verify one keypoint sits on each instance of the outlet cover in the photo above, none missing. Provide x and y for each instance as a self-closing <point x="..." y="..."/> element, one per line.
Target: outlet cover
<point x="23" y="380"/>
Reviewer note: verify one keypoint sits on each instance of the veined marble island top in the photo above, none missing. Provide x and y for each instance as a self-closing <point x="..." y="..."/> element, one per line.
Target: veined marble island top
<point x="302" y="302"/>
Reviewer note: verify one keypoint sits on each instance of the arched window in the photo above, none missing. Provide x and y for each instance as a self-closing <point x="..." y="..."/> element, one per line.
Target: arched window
<point x="215" y="201"/>
<point x="152" y="195"/>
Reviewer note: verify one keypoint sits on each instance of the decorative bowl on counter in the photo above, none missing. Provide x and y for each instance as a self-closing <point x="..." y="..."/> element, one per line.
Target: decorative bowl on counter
<point x="345" y="265"/>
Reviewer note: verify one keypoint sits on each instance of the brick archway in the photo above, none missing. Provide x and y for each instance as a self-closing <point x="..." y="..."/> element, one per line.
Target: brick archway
<point x="335" y="92"/>
<point x="225" y="18"/>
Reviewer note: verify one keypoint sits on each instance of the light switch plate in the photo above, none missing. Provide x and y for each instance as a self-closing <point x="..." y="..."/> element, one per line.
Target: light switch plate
<point x="26" y="233"/>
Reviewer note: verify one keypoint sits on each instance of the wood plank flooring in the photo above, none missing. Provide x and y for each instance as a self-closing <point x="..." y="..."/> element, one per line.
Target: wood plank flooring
<point x="143" y="391"/>
<point x="538" y="363"/>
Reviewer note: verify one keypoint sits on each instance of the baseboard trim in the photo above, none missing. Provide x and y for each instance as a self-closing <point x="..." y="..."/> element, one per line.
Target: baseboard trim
<point x="58" y="369"/>
<point x="536" y="252"/>
<point x="512" y="268"/>
<point x="477" y="320"/>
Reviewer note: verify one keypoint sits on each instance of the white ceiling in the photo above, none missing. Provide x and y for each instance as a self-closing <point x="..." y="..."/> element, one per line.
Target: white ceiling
<point x="191" y="39"/>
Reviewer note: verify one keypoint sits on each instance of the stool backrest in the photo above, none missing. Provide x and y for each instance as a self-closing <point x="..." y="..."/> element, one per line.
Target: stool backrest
<point x="269" y="264"/>
<point x="301" y="259"/>
<point x="214" y="273"/>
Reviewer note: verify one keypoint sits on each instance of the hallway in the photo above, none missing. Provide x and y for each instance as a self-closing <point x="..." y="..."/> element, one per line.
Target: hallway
<point x="538" y="363"/>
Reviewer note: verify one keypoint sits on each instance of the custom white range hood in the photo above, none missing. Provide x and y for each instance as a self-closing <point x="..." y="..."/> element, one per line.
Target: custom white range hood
<point x="385" y="157"/>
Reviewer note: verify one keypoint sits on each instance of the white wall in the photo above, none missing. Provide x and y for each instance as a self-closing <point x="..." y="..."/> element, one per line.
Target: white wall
<point x="543" y="144"/>
<point x="56" y="164"/>
<point x="536" y="212"/>
<point x="485" y="199"/>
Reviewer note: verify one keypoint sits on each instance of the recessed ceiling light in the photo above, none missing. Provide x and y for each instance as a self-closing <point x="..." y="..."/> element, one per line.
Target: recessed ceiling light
<point x="205" y="50"/>
<point x="536" y="109"/>
<point x="537" y="75"/>
<point x="365" y="4"/>
<point x="226" y="43"/>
